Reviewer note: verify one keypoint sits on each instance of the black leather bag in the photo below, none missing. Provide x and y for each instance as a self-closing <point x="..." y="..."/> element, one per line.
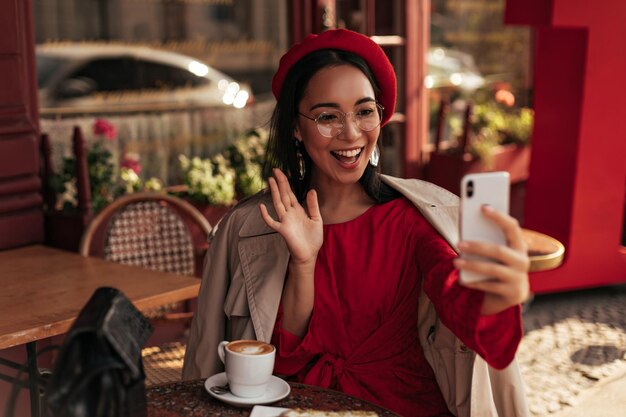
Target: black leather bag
<point x="99" y="372"/>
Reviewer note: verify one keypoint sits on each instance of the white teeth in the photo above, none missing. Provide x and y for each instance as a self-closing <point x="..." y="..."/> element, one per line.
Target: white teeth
<point x="348" y="154"/>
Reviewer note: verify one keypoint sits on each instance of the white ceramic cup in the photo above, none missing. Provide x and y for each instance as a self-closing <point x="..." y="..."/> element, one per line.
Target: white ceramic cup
<point x="249" y="365"/>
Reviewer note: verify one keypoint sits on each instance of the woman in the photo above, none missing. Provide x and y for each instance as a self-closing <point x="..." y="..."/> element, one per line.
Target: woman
<point x="330" y="264"/>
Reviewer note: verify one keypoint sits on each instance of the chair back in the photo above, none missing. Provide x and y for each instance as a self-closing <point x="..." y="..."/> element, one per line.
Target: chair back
<point x="151" y="230"/>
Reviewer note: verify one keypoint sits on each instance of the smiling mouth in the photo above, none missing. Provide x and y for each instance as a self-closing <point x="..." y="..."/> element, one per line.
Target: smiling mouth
<point x="348" y="156"/>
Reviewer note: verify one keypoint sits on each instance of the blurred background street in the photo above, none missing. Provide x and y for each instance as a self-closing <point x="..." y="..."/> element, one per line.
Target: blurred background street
<point x="573" y="355"/>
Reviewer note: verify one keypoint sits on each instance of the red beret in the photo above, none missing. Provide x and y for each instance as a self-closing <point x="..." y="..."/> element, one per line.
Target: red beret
<point x="345" y="40"/>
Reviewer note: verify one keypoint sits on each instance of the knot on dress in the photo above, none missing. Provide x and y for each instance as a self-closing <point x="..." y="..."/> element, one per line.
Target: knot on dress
<point x="327" y="367"/>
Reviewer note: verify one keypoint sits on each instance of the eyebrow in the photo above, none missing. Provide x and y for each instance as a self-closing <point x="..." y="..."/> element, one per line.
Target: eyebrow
<point x="336" y="106"/>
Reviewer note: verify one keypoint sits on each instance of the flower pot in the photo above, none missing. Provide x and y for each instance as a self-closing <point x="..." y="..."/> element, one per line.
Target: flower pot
<point x="446" y="170"/>
<point x="64" y="230"/>
<point x="212" y="212"/>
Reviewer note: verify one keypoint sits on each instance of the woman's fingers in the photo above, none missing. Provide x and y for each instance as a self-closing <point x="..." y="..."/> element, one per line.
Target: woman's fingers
<point x="487" y="268"/>
<point x="302" y="231"/>
<point x="510" y="284"/>
<point x="507" y="265"/>
<point x="509" y="225"/>
<point x="503" y="254"/>
<point x="312" y="205"/>
<point x="282" y="196"/>
<point x="285" y="189"/>
<point x="285" y="181"/>
<point x="267" y="218"/>
<point x="276" y="199"/>
<point x="285" y="200"/>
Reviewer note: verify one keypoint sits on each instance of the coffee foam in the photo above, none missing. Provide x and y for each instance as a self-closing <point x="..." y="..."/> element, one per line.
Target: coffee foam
<point x="250" y="347"/>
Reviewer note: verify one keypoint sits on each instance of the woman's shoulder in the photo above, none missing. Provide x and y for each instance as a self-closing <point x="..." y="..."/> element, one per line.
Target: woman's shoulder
<point x="421" y="192"/>
<point x="400" y="209"/>
<point x="245" y="215"/>
<point x="438" y="206"/>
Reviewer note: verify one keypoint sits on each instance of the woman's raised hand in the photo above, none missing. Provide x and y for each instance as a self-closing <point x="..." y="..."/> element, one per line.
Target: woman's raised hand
<point x="302" y="230"/>
<point x="508" y="284"/>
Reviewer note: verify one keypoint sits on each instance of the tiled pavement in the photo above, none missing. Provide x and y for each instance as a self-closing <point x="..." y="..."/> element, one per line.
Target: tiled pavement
<point x="574" y="343"/>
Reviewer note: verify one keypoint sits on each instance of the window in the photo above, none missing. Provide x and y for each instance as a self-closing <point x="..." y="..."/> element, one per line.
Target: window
<point x="157" y="76"/>
<point x="46" y="68"/>
<point x="392" y="24"/>
<point x="109" y="74"/>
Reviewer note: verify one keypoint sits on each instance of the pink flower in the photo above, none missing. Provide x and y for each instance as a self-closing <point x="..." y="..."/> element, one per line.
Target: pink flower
<point x="131" y="161"/>
<point x="104" y="128"/>
<point x="505" y="97"/>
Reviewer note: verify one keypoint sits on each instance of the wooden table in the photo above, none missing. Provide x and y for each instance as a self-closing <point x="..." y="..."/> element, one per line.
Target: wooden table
<point x="43" y="290"/>
<point x="189" y="398"/>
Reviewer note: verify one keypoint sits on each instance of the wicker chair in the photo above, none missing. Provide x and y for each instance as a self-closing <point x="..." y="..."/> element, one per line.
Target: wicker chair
<point x="159" y="232"/>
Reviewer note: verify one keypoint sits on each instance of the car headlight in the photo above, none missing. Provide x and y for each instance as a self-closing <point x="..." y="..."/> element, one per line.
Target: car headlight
<point x="230" y="93"/>
<point x="241" y="99"/>
<point x="456" y="79"/>
<point x="198" y="68"/>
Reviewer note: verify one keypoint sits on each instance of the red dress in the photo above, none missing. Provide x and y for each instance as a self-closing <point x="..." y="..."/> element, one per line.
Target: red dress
<point x="362" y="337"/>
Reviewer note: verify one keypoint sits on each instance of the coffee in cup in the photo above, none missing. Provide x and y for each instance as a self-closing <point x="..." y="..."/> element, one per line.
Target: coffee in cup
<point x="249" y="365"/>
<point x="250" y="347"/>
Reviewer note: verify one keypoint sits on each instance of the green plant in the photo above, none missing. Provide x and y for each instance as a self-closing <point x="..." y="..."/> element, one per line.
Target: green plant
<point x="512" y="125"/>
<point x="208" y="180"/>
<point x="104" y="184"/>
<point x="492" y="125"/>
<point x="130" y="182"/>
<point x="483" y="145"/>
<point x="246" y="156"/>
<point x="235" y="171"/>
<point x="100" y="169"/>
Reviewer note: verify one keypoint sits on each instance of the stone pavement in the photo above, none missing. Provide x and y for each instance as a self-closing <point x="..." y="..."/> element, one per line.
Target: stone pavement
<point x="573" y="354"/>
<point x="607" y="398"/>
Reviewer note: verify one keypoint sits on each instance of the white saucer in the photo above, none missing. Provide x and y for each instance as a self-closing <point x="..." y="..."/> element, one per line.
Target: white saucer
<point x="277" y="389"/>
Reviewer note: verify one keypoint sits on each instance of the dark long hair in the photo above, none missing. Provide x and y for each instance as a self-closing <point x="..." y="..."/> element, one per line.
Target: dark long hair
<point x="282" y="145"/>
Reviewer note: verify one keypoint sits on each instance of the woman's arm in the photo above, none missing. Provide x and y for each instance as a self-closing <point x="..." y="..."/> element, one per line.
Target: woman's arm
<point x="298" y="296"/>
<point x="494" y="337"/>
<point x="303" y="233"/>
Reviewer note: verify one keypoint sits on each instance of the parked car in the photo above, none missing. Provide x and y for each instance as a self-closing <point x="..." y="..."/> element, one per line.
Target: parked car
<point x="451" y="68"/>
<point x="90" y="76"/>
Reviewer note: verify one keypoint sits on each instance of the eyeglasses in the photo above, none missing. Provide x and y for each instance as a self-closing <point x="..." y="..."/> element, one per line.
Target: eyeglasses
<point x="331" y="123"/>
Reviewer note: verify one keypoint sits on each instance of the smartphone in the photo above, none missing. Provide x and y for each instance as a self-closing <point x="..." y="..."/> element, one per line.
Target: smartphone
<point x="490" y="188"/>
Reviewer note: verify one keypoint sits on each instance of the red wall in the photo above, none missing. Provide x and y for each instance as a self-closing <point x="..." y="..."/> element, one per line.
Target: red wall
<point x="576" y="188"/>
<point x="21" y="216"/>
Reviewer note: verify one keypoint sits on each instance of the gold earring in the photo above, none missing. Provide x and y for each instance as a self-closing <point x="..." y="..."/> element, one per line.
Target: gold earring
<point x="375" y="156"/>
<point x="301" y="164"/>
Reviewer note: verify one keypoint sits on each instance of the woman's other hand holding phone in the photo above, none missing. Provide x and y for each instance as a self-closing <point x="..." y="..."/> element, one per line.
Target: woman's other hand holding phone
<point x="508" y="283"/>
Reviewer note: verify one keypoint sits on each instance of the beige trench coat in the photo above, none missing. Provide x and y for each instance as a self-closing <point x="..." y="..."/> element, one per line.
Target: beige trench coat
<point x="242" y="284"/>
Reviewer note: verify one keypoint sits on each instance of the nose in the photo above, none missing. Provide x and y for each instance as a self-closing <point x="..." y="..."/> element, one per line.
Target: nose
<point x="350" y="130"/>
